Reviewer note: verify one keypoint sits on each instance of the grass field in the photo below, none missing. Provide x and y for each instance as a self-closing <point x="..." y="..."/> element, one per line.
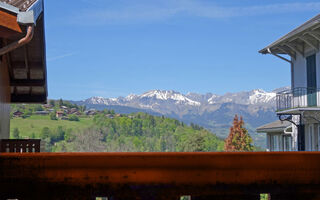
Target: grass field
<point x="36" y="123"/>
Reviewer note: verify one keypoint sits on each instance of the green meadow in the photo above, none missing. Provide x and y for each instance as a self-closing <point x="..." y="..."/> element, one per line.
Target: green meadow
<point x="34" y="124"/>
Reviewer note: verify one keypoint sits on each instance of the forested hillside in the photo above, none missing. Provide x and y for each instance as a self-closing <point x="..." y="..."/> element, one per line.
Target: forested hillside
<point x="109" y="131"/>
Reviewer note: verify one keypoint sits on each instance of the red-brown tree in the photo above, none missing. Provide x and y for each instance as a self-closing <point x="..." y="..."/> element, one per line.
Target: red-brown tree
<point x="239" y="138"/>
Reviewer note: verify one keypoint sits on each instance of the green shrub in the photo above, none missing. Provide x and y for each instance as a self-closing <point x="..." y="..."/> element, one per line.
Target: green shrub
<point x="73" y="118"/>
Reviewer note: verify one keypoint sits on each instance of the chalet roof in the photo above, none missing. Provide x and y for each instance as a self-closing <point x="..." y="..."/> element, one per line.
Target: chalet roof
<point x="27" y="64"/>
<point x="275" y="126"/>
<point x="308" y="34"/>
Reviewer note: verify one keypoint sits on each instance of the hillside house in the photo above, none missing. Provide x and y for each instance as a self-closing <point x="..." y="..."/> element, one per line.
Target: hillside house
<point x="279" y="136"/>
<point x="59" y="114"/>
<point x="43" y="112"/>
<point x="90" y="112"/>
<point x="17" y="114"/>
<point x="23" y="76"/>
<point x="301" y="104"/>
<point x="73" y="111"/>
<point x="47" y="106"/>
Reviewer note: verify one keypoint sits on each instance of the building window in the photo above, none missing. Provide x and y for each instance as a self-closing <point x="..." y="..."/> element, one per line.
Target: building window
<point x="275" y="143"/>
<point x="287" y="143"/>
<point x="311" y="138"/>
<point x="318" y="134"/>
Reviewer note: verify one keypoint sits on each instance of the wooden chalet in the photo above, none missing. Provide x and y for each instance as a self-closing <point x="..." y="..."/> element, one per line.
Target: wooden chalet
<point x="59" y="113"/>
<point x="22" y="57"/>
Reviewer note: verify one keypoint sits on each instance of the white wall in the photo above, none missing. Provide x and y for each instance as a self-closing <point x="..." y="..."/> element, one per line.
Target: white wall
<point x="318" y="68"/>
<point x="300" y="69"/>
<point x="300" y="72"/>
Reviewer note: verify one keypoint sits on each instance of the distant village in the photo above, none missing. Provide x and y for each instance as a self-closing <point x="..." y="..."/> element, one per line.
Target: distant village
<point x="62" y="110"/>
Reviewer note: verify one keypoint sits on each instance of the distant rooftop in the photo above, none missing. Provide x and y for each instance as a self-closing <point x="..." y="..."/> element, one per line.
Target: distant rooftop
<point x="273" y="126"/>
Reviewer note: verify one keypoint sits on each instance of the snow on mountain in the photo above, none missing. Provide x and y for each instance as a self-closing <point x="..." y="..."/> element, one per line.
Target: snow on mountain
<point x="159" y="97"/>
<point x="97" y="100"/>
<point x="130" y="97"/>
<point x="212" y="100"/>
<point x="261" y="96"/>
<point x="170" y="95"/>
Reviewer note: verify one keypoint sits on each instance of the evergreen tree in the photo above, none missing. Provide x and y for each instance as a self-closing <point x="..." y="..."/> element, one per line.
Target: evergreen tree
<point x="52" y="103"/>
<point x="60" y="102"/>
<point x="53" y="116"/>
<point x="45" y="132"/>
<point x="239" y="138"/>
<point x="16" y="133"/>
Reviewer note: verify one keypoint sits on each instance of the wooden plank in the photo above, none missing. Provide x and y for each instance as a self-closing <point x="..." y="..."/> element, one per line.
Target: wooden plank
<point x="31" y="65"/>
<point x="27" y="82"/>
<point x="26" y="98"/>
<point x="106" y="174"/>
<point x="294" y="48"/>
<point x="9" y="21"/>
<point x="315" y="47"/>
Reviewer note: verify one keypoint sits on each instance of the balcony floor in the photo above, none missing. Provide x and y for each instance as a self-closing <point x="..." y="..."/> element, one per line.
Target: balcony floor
<point x="296" y="111"/>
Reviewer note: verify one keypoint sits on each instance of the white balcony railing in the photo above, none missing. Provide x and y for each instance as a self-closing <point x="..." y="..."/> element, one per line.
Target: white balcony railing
<point x="298" y="98"/>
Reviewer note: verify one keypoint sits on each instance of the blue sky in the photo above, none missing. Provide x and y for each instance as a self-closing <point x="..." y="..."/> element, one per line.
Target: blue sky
<point x="114" y="48"/>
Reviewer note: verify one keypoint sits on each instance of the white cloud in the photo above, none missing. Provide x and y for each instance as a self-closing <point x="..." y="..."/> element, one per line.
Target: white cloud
<point x="59" y="57"/>
<point x="149" y="11"/>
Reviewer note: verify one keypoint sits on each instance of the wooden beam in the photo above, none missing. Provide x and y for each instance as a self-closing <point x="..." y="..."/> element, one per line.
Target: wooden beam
<point x="318" y="26"/>
<point x="26" y="60"/>
<point x="316" y="47"/>
<point x="8" y="58"/>
<point x="27" y="82"/>
<point x="287" y="51"/>
<point x="26" y="98"/>
<point x="295" y="49"/>
<point x="314" y="35"/>
<point x="31" y="65"/>
<point x="9" y="21"/>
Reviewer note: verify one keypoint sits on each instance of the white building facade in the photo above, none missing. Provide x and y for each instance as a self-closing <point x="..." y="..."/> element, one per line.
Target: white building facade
<point x="300" y="106"/>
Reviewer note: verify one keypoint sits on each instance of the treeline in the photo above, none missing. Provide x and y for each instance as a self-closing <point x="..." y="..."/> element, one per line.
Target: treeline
<point x="139" y="132"/>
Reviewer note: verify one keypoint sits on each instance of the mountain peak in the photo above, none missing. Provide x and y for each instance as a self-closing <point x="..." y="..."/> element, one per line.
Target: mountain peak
<point x="160" y="99"/>
<point x="166" y="95"/>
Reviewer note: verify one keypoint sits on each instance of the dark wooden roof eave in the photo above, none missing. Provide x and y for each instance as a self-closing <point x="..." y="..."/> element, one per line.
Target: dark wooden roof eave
<point x="27" y="69"/>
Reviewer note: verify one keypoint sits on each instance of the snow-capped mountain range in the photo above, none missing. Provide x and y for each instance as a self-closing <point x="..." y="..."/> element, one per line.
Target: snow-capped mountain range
<point x="155" y="97"/>
<point x="209" y="110"/>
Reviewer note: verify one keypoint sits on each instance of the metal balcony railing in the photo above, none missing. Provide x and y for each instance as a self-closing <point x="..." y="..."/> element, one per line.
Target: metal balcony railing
<point x="298" y="98"/>
<point x="20" y="146"/>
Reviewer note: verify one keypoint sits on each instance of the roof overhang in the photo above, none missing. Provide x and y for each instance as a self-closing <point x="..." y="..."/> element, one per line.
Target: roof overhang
<point x="274" y="127"/>
<point x="271" y="130"/>
<point x="295" y="42"/>
<point x="27" y="64"/>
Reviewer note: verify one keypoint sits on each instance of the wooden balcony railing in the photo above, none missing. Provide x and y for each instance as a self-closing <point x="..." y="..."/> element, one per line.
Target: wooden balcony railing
<point x="299" y="97"/>
<point x="20" y="145"/>
<point x="159" y="176"/>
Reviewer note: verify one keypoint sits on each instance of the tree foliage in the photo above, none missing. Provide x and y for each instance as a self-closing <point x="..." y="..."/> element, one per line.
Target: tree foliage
<point x="239" y="138"/>
<point x="53" y="116"/>
<point x="140" y="132"/>
<point x="16" y="133"/>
